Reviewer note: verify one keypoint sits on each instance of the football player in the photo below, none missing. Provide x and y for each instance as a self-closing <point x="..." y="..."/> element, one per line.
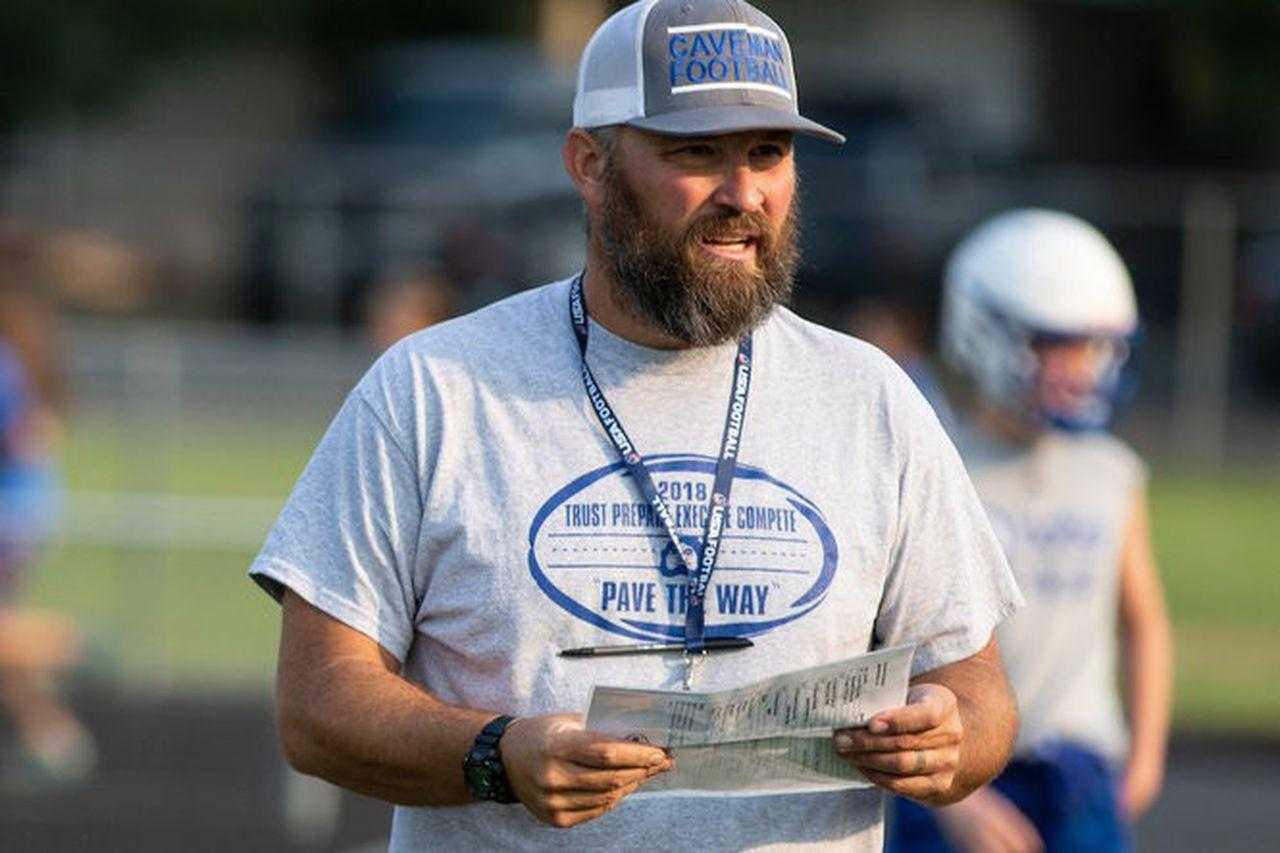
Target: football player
<point x="1038" y="320"/>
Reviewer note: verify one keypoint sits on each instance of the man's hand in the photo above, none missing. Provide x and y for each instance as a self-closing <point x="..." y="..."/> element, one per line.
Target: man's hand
<point x="913" y="751"/>
<point x="986" y="822"/>
<point x="566" y="775"/>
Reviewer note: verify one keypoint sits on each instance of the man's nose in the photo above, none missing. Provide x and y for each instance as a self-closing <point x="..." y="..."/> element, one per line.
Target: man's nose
<point x="740" y="190"/>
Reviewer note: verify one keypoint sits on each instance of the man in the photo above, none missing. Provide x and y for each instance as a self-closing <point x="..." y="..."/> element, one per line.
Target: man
<point x="1037" y="317"/>
<point x="538" y="476"/>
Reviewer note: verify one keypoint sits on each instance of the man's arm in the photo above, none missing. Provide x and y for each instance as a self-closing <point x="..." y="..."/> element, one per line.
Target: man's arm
<point x="954" y="734"/>
<point x="346" y="715"/>
<point x="1148" y="664"/>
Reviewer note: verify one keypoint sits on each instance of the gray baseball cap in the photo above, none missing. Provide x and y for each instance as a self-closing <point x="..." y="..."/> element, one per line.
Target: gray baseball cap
<point x="691" y="68"/>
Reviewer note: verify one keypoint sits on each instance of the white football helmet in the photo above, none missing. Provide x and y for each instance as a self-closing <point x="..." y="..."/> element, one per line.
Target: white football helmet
<point x="1028" y="277"/>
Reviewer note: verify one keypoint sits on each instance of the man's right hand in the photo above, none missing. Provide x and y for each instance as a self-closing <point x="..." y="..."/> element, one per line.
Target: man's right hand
<point x="566" y="775"/>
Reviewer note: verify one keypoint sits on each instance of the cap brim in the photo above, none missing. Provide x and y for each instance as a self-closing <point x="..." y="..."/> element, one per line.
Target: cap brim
<point x="710" y="121"/>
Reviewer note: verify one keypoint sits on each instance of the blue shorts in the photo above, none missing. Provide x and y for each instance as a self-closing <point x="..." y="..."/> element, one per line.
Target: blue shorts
<point x="1066" y="790"/>
<point x="30" y="501"/>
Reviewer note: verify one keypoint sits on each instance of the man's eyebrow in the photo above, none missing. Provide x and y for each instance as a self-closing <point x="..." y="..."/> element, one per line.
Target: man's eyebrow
<point x="770" y="137"/>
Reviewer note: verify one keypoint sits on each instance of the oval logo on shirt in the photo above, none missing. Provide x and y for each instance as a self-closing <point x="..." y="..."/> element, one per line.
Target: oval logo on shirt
<point x="597" y="550"/>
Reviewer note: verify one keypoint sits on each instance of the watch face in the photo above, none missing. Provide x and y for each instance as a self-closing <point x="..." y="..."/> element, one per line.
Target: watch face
<point x="484" y="775"/>
<point x="478" y="780"/>
<point x="483" y="771"/>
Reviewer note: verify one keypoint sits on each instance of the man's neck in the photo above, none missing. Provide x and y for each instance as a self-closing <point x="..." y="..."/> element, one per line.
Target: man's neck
<point x="603" y="305"/>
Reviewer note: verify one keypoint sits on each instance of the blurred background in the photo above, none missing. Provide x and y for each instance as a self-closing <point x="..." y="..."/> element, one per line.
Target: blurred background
<point x="214" y="212"/>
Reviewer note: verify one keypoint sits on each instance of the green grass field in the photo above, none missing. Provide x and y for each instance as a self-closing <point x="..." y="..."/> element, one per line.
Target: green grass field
<point x="189" y="619"/>
<point x="1216" y="543"/>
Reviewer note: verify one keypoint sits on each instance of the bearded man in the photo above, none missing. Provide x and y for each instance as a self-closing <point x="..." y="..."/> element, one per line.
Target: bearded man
<point x="543" y="475"/>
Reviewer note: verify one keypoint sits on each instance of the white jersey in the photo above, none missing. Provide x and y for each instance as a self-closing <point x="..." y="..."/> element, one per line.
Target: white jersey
<point x="1060" y="509"/>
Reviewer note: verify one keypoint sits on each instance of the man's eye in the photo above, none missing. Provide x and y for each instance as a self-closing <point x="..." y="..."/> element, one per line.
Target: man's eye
<point x="696" y="150"/>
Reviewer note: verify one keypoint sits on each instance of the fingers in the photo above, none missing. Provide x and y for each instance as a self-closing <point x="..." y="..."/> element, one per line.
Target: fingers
<point x="583" y="779"/>
<point x="921" y="738"/>
<point x="1017" y="835"/>
<point x="572" y="807"/>
<point x="986" y="822"/>
<point x="590" y="800"/>
<point x="928" y="706"/>
<point x="567" y="817"/>
<point x="914" y="750"/>
<point x="593" y="750"/>
<point x="916" y="762"/>
<point x="565" y="775"/>
<point x="921" y="775"/>
<point x="559" y="777"/>
<point x="862" y="740"/>
<point x="926" y="789"/>
<point x="1001" y="838"/>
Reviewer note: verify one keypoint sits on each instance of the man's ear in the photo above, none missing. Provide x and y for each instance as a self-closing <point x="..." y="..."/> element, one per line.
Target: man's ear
<point x="585" y="160"/>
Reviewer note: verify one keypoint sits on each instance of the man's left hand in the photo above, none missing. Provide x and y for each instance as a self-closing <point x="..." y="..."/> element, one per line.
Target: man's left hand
<point x="913" y="751"/>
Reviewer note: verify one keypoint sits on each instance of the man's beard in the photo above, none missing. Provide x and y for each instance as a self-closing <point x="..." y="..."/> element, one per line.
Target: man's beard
<point x="670" y="281"/>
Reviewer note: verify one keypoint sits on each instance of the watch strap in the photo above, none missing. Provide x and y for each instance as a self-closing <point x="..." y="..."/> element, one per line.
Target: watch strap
<point x="493" y="730"/>
<point x="485" y="758"/>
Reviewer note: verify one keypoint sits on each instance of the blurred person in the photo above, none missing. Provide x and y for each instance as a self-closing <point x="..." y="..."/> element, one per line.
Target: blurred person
<point x="418" y="654"/>
<point x="404" y="304"/>
<point x="1038" y="314"/>
<point x="899" y="333"/>
<point x="477" y="258"/>
<point x="53" y="745"/>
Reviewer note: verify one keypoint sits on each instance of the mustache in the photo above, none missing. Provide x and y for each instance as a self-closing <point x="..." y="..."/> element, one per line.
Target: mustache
<point x="732" y="225"/>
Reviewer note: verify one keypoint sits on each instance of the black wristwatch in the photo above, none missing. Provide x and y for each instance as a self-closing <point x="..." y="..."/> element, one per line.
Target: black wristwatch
<point x="483" y="770"/>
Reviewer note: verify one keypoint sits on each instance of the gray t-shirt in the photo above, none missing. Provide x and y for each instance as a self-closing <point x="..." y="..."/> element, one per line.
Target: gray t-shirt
<point x="467" y="511"/>
<point x="1060" y="508"/>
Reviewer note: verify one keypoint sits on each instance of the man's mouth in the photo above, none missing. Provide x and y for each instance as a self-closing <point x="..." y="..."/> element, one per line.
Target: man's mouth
<point x="733" y="247"/>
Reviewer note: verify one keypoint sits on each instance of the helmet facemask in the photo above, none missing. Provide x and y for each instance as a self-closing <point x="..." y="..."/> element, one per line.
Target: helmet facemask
<point x="1078" y="379"/>
<point x="1039" y="316"/>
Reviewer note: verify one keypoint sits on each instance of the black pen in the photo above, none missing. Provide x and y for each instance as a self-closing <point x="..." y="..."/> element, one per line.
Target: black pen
<point x="711" y="644"/>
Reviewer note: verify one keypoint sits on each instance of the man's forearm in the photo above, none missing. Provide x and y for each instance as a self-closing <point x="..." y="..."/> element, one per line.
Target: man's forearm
<point x="989" y="713"/>
<point x="347" y="715"/>
<point x="354" y="721"/>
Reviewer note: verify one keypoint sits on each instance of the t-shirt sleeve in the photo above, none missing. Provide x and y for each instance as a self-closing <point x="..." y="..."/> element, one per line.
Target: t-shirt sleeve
<point x="346" y="539"/>
<point x="949" y="584"/>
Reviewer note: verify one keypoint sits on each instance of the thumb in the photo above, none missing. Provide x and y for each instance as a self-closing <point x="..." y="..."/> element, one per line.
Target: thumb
<point x="927" y="706"/>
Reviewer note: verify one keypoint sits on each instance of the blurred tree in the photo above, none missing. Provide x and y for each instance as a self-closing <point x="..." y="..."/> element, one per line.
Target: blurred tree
<point x="339" y="29"/>
<point x="1180" y="84"/>
<point x="1229" y="80"/>
<point x="1129" y="80"/>
<point x="65" y="58"/>
<point x="71" y="58"/>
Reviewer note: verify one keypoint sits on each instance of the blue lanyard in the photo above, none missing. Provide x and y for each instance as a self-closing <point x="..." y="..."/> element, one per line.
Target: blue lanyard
<point x="699" y="570"/>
